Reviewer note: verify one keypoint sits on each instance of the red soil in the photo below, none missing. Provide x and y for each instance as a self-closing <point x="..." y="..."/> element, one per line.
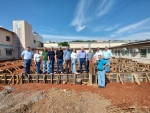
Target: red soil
<point x="129" y="93"/>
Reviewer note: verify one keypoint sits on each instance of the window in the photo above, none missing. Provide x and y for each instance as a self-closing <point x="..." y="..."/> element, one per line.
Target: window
<point x="148" y="51"/>
<point x="34" y="41"/>
<point x="8" y="52"/>
<point x="8" y="38"/>
<point x="118" y="52"/>
<point x="126" y="53"/>
<point x="115" y="52"/>
<point x="143" y="53"/>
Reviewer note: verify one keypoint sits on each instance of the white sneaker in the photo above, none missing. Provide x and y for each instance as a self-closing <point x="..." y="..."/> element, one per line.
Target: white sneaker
<point x="76" y="73"/>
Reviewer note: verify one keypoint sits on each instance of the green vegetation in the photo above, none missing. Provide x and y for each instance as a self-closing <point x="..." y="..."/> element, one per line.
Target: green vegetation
<point x="63" y="43"/>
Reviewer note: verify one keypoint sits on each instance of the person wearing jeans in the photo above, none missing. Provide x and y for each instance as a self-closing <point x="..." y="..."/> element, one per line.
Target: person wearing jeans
<point x="82" y="58"/>
<point x="27" y="55"/>
<point x="74" y="61"/>
<point x="45" y="60"/>
<point x="37" y="60"/>
<point x="67" y="59"/>
<point x="59" y="57"/>
<point x="51" y="60"/>
<point x="101" y="64"/>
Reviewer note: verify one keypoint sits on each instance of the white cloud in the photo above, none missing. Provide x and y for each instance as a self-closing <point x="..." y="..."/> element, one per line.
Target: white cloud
<point x="105" y="28"/>
<point x="70" y="37"/>
<point x="136" y="36"/>
<point x="85" y="12"/>
<point x="145" y="24"/>
<point x="112" y="28"/>
<point x="81" y="16"/>
<point x="104" y="7"/>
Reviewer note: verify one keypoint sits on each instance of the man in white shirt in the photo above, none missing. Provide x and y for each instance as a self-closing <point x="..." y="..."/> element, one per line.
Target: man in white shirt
<point x="37" y="60"/>
<point x="99" y="52"/>
<point x="107" y="55"/>
<point x="27" y="56"/>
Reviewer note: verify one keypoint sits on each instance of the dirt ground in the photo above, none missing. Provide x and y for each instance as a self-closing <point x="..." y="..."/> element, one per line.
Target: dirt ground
<point x="48" y="98"/>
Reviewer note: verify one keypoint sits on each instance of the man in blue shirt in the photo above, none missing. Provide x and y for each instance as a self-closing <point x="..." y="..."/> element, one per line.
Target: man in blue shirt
<point x="67" y="59"/>
<point x="27" y="55"/>
<point x="51" y="61"/>
<point x="101" y="64"/>
<point x="107" y="54"/>
<point x="82" y="58"/>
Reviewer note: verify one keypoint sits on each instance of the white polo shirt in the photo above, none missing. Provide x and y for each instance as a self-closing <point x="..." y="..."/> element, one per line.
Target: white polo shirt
<point x="98" y="53"/>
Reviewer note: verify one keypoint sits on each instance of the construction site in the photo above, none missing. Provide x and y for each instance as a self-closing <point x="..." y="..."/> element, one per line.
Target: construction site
<point x="127" y="84"/>
<point x="127" y="89"/>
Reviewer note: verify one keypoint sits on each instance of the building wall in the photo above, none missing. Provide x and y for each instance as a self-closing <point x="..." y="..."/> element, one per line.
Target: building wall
<point x="48" y="45"/>
<point x="6" y="44"/>
<point x="134" y="55"/>
<point x="94" y="44"/>
<point x="25" y="35"/>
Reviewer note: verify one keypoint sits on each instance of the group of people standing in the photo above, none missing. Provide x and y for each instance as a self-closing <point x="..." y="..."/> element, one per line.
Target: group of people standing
<point x="68" y="57"/>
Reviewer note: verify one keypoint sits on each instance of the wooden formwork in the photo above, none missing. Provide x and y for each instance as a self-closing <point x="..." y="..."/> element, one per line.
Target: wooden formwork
<point x="129" y="77"/>
<point x="42" y="78"/>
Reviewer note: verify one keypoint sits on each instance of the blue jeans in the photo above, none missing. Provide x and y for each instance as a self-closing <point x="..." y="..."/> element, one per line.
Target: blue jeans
<point x="83" y="60"/>
<point x="101" y="78"/>
<point x="107" y="68"/>
<point x="27" y="64"/>
<point x="38" y="67"/>
<point x="45" y="66"/>
<point x="51" y="66"/>
<point x="74" y="61"/>
<point x="59" y="65"/>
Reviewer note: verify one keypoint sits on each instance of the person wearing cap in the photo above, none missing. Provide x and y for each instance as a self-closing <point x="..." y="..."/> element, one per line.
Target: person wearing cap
<point x="51" y="60"/>
<point x="67" y="59"/>
<point x="99" y="52"/>
<point x="107" y="55"/>
<point x="27" y="56"/>
<point x="82" y="58"/>
<point x="101" y="64"/>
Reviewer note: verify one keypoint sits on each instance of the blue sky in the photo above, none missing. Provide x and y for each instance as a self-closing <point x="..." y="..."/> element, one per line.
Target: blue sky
<point x="65" y="20"/>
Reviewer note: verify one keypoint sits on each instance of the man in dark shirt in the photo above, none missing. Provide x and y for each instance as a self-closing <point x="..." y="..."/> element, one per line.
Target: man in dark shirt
<point x="51" y="60"/>
<point x="59" y="57"/>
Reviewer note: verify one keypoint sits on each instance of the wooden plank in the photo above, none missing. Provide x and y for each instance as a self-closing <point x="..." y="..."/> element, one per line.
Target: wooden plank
<point x="28" y="78"/>
<point x="120" y="79"/>
<point x="37" y="78"/>
<point x="11" y="79"/>
<point x="147" y="77"/>
<point x="136" y="79"/>
<point x="44" y="78"/>
<point x="4" y="78"/>
<point x="90" y="78"/>
<point x="74" y="78"/>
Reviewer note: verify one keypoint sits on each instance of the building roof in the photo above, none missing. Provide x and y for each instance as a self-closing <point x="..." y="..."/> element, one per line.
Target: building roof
<point x="144" y="42"/>
<point x="6" y="29"/>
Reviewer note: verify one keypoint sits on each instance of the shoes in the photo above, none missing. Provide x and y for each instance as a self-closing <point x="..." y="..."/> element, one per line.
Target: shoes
<point x="62" y="73"/>
<point x="101" y="86"/>
<point x="76" y="73"/>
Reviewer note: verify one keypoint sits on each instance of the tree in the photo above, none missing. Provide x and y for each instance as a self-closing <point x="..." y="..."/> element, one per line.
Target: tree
<point x="63" y="43"/>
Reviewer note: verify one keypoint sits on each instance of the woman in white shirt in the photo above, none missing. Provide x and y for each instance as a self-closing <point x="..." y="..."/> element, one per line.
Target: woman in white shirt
<point x="74" y="61"/>
<point x="37" y="60"/>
